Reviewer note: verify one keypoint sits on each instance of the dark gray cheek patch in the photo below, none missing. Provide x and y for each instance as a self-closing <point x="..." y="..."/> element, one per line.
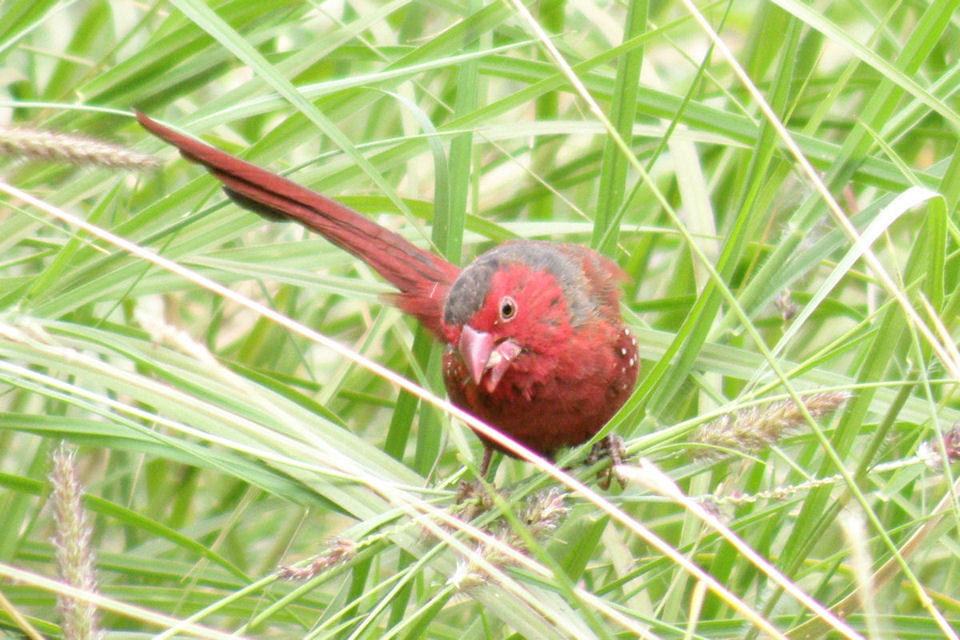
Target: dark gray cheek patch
<point x="468" y="293"/>
<point x="470" y="290"/>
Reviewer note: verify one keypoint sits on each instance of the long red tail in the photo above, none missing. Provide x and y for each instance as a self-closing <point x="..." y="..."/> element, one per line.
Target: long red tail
<point x="422" y="277"/>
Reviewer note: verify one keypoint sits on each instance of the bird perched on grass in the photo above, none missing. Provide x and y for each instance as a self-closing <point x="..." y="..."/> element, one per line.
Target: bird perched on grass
<point x="536" y="346"/>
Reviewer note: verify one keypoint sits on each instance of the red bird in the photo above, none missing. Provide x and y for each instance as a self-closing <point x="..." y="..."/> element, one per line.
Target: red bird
<point x="536" y="346"/>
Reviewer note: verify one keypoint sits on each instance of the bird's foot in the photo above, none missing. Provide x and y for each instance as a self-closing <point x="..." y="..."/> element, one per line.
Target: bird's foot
<point x="611" y="447"/>
<point x="467" y="491"/>
<point x="472" y="499"/>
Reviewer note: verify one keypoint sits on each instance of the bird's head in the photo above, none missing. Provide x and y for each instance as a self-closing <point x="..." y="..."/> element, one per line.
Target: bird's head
<point x="519" y="299"/>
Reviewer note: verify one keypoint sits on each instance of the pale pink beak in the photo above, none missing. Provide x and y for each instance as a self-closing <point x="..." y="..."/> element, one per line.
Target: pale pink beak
<point x="481" y="355"/>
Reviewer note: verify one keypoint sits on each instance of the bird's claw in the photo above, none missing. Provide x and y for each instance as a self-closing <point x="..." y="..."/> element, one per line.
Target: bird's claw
<point x="612" y="447"/>
<point x="472" y="499"/>
<point x="467" y="491"/>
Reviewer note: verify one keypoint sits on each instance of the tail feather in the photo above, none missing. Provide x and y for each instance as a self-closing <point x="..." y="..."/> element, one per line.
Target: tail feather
<point x="422" y="277"/>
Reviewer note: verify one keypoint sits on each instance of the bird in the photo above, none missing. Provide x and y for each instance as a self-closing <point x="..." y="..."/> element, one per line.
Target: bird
<point x="536" y="346"/>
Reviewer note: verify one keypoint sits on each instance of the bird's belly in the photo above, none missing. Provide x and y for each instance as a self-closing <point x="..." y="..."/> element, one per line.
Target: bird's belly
<point x="547" y="415"/>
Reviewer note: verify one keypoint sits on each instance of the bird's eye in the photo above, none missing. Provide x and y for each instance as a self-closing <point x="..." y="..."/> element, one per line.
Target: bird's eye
<point x="508" y="308"/>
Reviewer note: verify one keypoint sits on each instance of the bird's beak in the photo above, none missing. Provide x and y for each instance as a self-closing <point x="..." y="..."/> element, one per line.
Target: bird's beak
<point x="481" y="355"/>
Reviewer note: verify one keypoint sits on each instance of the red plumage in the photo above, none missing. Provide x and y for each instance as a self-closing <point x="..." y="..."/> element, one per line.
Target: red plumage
<point x="537" y="347"/>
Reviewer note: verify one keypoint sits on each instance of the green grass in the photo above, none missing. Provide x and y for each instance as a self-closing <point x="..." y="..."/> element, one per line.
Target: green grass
<point x="778" y="179"/>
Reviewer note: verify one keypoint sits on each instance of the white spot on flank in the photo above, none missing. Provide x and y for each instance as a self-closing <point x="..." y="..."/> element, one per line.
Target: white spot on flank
<point x="623" y="351"/>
